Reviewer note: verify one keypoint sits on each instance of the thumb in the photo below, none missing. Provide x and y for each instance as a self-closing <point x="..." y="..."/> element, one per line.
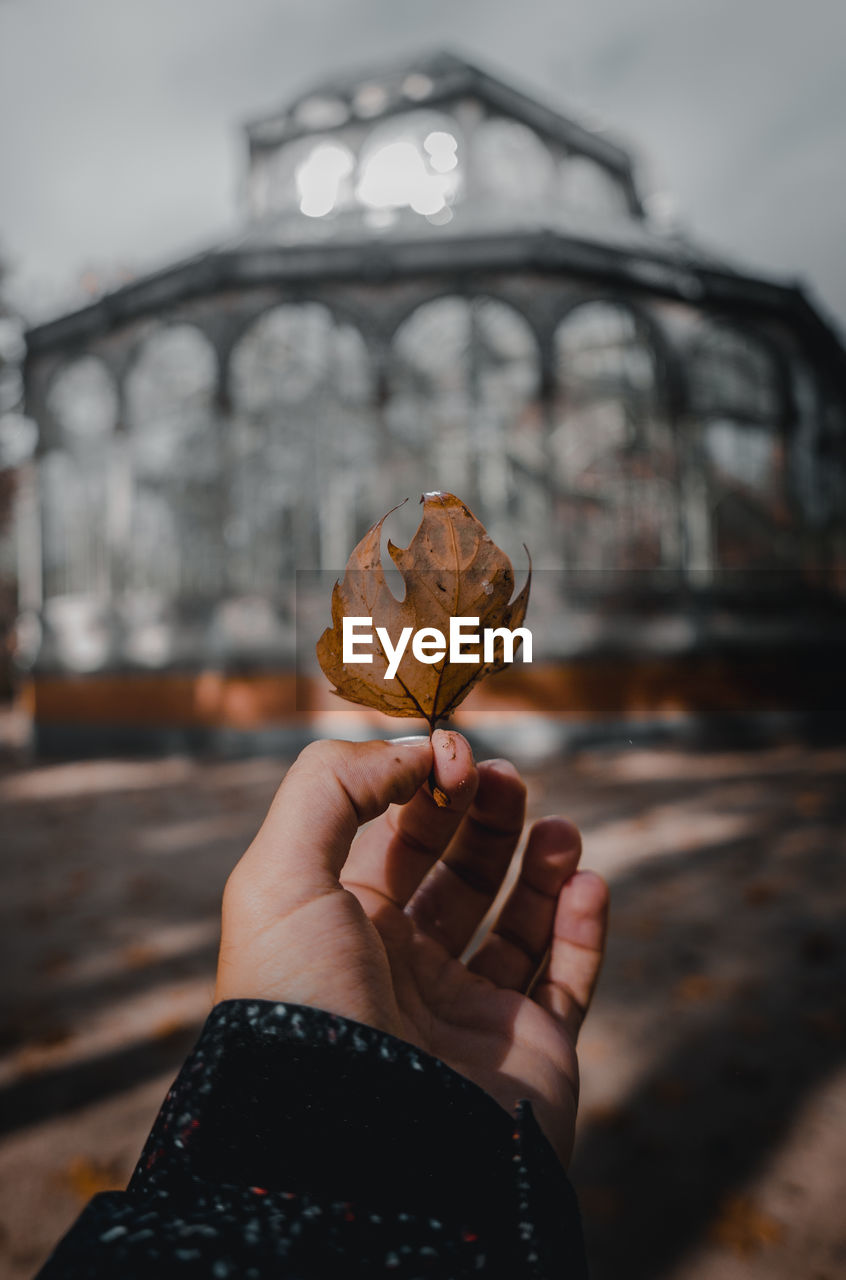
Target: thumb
<point x="331" y="789"/>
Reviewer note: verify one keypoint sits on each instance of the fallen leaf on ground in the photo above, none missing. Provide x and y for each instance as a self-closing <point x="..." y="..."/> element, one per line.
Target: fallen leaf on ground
<point x="451" y="568"/>
<point x="744" y="1228"/>
<point x="138" y="955"/>
<point x="86" y="1178"/>
<point x="169" y="1028"/>
<point x="695" y="987"/>
<point x="810" y="804"/>
<point x="757" y="893"/>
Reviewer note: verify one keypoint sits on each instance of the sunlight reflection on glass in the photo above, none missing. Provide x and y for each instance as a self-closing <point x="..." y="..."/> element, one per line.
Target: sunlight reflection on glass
<point x="441" y="148"/>
<point x="400" y="174"/>
<point x="321" y="113"/>
<point x="442" y="217"/>
<point x="84" y="401"/>
<point x="417" y="86"/>
<point x="320" y="176"/>
<point x="370" y="100"/>
<point x="18" y="439"/>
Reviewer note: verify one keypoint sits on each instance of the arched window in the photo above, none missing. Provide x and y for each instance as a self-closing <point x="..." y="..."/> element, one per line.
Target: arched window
<point x="75" y="479"/>
<point x="176" y="465"/>
<point x="737" y="408"/>
<point x="731" y="374"/>
<point x="614" y="458"/>
<point x="313" y="176"/>
<point x="511" y="164"/>
<point x="831" y="501"/>
<point x="170" y="393"/>
<point x="413" y="161"/>
<point x="66" y="525"/>
<point x="303" y="445"/>
<point x="82" y="399"/>
<point x="588" y="189"/>
<point x="463" y="410"/>
<point x="77" y="631"/>
<point x="743" y="454"/>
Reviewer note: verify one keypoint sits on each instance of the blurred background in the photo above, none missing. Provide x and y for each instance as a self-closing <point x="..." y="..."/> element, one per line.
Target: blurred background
<point x="269" y="269"/>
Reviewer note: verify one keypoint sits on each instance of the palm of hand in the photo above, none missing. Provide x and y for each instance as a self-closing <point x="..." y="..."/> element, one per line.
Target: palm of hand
<point x="378" y="935"/>
<point x="495" y="1036"/>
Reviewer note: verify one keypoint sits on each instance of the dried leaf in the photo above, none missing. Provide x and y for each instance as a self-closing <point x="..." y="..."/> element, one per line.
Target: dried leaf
<point x="694" y="987"/>
<point x="87" y="1178"/>
<point x="139" y="955"/>
<point x="451" y="568"/>
<point x="744" y="1228"/>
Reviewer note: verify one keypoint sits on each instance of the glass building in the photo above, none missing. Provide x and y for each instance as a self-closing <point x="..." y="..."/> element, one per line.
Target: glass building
<point x="441" y="284"/>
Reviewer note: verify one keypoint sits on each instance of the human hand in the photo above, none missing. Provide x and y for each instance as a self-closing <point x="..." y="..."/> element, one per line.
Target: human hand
<point x="374" y="929"/>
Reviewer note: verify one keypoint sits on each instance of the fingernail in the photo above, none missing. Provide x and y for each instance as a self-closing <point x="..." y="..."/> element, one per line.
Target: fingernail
<point x="446" y="738"/>
<point x="413" y="740"/>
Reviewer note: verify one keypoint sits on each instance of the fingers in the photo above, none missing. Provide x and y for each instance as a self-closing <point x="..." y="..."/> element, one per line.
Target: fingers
<point x="393" y="855"/>
<point x="329" y="791"/>
<point x="459" y="889"/>
<point x="567" y="984"/>
<point x="555" y="909"/>
<point x="518" y="942"/>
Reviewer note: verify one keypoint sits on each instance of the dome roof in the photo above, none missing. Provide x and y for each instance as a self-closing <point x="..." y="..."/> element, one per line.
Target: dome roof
<point x="429" y="79"/>
<point x="433" y="165"/>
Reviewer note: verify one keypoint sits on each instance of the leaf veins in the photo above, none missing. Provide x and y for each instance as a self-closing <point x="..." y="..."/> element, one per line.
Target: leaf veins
<point x="451" y="568"/>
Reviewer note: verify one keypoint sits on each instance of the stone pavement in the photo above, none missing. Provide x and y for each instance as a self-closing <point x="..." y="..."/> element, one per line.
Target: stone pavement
<point x="713" y="1122"/>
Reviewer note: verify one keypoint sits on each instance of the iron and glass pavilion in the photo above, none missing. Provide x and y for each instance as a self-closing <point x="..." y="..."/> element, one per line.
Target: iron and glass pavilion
<point x="441" y="284"/>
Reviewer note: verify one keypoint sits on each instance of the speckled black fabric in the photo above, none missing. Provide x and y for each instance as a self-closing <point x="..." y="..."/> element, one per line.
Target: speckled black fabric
<point x="297" y="1144"/>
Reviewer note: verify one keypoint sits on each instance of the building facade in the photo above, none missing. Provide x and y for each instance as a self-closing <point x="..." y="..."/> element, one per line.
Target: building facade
<point x="442" y="284"/>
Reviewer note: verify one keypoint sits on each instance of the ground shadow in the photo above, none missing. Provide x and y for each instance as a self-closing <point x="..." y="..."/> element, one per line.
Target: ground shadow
<point x="724" y="974"/>
<point x="729" y="962"/>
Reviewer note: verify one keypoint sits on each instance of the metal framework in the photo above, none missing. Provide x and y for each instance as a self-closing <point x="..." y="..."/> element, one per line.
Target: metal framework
<point x="508" y="325"/>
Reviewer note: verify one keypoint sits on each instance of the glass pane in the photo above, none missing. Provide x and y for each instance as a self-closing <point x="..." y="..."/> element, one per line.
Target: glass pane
<point x="311" y="176"/>
<point x="75" y="550"/>
<point x="302" y="392"/>
<point x="743" y="454"/>
<point x="155" y="548"/>
<point x="735" y="395"/>
<point x="584" y="187"/>
<point x="614" y="457"/>
<point x="282" y="359"/>
<point x="170" y="392"/>
<point x="462" y="408"/>
<point x="413" y="161"/>
<point x="511" y="163"/>
<point x="83" y="400"/>
<point x="732" y="375"/>
<point x="602" y="349"/>
<point x="747" y="535"/>
<point x="431" y="349"/>
<point x="175" y="537"/>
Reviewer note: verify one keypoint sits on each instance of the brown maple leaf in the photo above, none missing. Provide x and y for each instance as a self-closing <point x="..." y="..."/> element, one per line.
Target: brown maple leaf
<point x="451" y="569"/>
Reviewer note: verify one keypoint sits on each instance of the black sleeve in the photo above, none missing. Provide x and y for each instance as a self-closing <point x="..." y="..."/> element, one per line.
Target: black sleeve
<point x="298" y="1144"/>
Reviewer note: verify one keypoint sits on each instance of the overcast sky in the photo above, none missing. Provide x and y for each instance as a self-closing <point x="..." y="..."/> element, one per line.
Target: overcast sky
<point x="120" y="139"/>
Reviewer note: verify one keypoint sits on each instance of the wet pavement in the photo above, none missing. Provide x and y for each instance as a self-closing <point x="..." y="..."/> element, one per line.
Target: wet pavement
<point x="713" y="1121"/>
